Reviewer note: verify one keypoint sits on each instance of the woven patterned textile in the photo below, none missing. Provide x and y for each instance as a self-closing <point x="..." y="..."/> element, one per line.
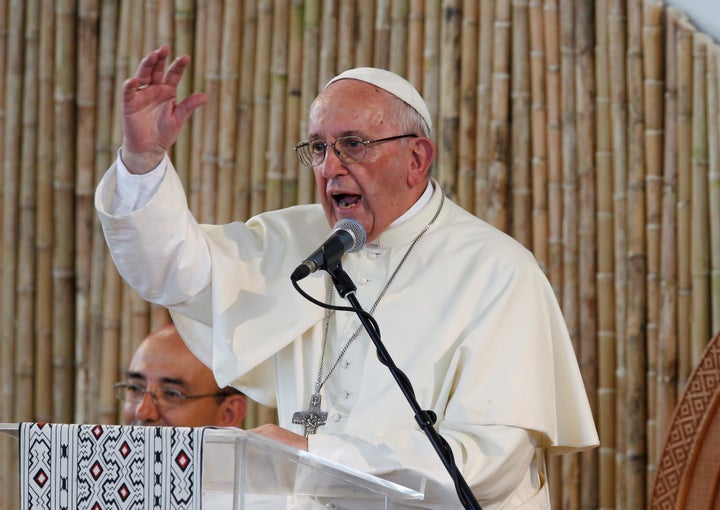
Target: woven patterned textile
<point x="688" y="475"/>
<point x="98" y="467"/>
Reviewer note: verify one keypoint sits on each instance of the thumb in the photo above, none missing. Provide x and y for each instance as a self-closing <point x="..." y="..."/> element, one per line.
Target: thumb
<point x="184" y="109"/>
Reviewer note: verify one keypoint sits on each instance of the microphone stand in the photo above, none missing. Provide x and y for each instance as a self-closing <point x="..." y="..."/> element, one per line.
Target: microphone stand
<point x="425" y="419"/>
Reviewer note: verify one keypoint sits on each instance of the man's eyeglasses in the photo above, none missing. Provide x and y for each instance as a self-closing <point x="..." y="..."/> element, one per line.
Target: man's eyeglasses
<point x="162" y="397"/>
<point x="348" y="149"/>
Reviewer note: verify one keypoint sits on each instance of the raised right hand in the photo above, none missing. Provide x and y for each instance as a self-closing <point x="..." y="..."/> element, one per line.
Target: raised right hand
<point x="152" y="119"/>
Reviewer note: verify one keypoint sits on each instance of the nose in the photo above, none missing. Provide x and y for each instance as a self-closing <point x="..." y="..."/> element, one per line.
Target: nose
<point x="332" y="166"/>
<point x="146" y="411"/>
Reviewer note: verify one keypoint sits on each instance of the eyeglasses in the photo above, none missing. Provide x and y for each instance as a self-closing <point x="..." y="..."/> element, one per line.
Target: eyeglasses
<point x="348" y="149"/>
<point x="162" y="398"/>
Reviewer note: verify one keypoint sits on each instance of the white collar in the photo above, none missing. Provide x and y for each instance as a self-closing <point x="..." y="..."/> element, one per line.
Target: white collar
<point x="424" y="199"/>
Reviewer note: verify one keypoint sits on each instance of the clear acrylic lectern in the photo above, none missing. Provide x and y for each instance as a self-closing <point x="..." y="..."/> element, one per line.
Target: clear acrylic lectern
<point x="239" y="471"/>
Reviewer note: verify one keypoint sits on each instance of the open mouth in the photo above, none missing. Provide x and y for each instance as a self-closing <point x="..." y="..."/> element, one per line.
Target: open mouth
<point x="345" y="200"/>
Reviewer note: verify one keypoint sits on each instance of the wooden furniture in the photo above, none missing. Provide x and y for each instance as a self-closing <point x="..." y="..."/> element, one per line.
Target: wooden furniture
<point x="688" y="475"/>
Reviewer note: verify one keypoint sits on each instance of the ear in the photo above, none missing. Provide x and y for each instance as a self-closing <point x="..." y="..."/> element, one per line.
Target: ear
<point x="423" y="155"/>
<point x="232" y="411"/>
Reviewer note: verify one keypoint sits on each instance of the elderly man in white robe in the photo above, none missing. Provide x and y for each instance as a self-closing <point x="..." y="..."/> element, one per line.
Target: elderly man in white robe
<point x="464" y="310"/>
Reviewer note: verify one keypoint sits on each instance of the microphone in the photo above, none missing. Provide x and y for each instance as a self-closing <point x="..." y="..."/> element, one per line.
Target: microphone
<point x="348" y="235"/>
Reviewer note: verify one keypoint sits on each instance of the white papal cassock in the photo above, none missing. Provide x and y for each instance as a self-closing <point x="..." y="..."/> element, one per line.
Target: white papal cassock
<point x="470" y="318"/>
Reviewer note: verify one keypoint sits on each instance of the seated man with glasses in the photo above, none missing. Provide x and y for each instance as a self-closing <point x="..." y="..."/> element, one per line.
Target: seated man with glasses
<point x="167" y="385"/>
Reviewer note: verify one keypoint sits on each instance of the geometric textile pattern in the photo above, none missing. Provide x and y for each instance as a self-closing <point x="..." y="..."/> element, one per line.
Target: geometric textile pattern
<point x="98" y="467"/>
<point x="690" y="424"/>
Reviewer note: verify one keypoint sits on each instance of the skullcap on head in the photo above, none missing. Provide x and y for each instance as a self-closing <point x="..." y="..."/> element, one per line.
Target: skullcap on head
<point x="391" y="82"/>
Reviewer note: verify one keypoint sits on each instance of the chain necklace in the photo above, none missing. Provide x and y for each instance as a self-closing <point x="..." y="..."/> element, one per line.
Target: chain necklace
<point x="314" y="417"/>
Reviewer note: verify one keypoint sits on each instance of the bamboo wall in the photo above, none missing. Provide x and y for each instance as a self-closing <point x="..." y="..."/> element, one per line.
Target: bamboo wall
<point x="586" y="129"/>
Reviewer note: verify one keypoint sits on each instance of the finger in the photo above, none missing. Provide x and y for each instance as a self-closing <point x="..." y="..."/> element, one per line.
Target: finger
<point x="151" y="67"/>
<point x="176" y="69"/>
<point x="130" y="87"/>
<point x="184" y="109"/>
<point x="158" y="69"/>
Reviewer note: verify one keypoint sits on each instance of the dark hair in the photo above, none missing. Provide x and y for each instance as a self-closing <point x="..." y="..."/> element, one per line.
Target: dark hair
<point x="226" y="392"/>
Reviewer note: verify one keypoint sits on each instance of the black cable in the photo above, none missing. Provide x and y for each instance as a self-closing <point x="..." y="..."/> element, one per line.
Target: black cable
<point x="426" y="419"/>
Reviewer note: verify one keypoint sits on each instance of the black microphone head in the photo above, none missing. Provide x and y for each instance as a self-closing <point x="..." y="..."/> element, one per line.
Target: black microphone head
<point x="355" y="229"/>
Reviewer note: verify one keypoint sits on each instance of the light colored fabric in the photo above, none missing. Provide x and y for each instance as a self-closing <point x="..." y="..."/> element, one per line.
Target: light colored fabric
<point x="470" y="319"/>
<point x="391" y="82"/>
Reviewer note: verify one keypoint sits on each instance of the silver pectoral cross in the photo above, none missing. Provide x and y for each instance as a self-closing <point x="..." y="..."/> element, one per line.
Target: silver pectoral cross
<point x="313" y="417"/>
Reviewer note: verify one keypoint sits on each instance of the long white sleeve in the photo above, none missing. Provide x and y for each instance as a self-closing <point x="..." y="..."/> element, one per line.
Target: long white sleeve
<point x="134" y="191"/>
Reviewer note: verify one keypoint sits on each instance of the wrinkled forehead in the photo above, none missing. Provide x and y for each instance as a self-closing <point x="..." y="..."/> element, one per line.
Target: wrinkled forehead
<point x="390" y="82"/>
<point x="350" y="105"/>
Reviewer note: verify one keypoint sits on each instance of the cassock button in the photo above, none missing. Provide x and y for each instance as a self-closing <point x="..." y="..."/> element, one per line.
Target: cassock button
<point x="372" y="255"/>
<point x="346" y="394"/>
<point x="363" y="281"/>
<point x="337" y="417"/>
<point x="345" y="363"/>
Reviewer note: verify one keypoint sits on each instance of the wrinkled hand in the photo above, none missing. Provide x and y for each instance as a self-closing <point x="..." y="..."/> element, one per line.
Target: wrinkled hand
<point x="281" y="435"/>
<point x="152" y="119"/>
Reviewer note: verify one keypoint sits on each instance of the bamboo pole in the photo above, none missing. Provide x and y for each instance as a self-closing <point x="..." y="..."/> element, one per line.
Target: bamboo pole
<point x="11" y="31"/>
<point x="278" y="86"/>
<point x="483" y="154"/>
<point x="211" y="129"/>
<point x="24" y="354"/>
<point x="364" y="43"/>
<point x="431" y="53"/>
<point x="652" y="140"/>
<point x="499" y="115"/>
<point x="228" y="109"/>
<point x="261" y="107"/>
<point x="466" y="137"/>
<point x="328" y="42"/>
<point x="84" y="191"/>
<point x="636" y="312"/>
<point x="538" y="135"/>
<point x="521" y="178"/>
<point x="416" y="25"/>
<point x="381" y="57"/>
<point x="399" y="36"/>
<point x="606" y="411"/>
<point x="110" y="362"/>
<point x="310" y="86"/>
<point x="293" y="110"/>
<point x="243" y="144"/>
<point x="570" y="224"/>
<point x="714" y="180"/>
<point x="184" y="37"/>
<point x="64" y="203"/>
<point x="43" y="402"/>
<point x="699" y="207"/>
<point x="447" y="156"/>
<point x="554" y="146"/>
<point x="554" y="149"/>
<point x="346" y="36"/>
<point x="105" y="146"/>
<point x="587" y="233"/>
<point x="164" y="23"/>
<point x="618" y="102"/>
<point x="667" y="330"/>
<point x="684" y="155"/>
<point x="196" y="76"/>
<point x="10" y="190"/>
